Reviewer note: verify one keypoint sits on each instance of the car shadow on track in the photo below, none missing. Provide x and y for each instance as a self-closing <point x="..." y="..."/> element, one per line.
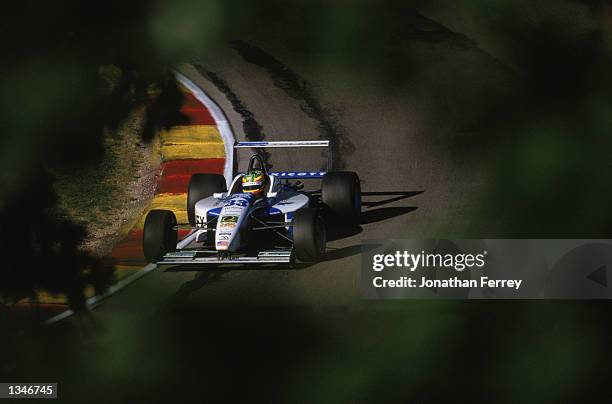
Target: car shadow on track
<point x="376" y="215"/>
<point x="396" y="196"/>
<point x="337" y="231"/>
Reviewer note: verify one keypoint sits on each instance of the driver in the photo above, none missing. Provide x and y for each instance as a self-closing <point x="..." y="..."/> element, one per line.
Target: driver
<point x="254" y="182"/>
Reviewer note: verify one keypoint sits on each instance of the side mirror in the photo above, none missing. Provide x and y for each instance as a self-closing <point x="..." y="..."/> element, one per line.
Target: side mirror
<point x="219" y="195"/>
<point x="272" y="194"/>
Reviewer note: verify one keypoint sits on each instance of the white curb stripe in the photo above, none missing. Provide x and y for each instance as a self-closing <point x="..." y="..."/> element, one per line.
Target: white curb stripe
<point x="220" y="120"/>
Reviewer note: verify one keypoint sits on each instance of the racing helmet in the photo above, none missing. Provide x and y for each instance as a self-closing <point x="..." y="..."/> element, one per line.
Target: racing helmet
<point x="253" y="182"/>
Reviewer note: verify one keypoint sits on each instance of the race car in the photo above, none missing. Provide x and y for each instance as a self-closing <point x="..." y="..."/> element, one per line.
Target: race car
<point x="261" y="218"/>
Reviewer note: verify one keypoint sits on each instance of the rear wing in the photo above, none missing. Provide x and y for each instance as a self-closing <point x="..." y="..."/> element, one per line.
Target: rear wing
<point x="292" y="144"/>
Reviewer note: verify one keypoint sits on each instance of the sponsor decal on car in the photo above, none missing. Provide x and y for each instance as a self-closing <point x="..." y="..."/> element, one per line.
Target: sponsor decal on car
<point x="229" y="219"/>
<point x="228" y="222"/>
<point x="232" y="210"/>
<point x="223" y="238"/>
<point x="200" y="221"/>
<point x="222" y="243"/>
<point x="303" y="174"/>
<point x="239" y="202"/>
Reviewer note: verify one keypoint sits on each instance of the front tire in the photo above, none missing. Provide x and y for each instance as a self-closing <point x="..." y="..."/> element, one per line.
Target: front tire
<point x="202" y="186"/>
<point x="341" y="193"/>
<point x="160" y="235"/>
<point x="309" y="237"/>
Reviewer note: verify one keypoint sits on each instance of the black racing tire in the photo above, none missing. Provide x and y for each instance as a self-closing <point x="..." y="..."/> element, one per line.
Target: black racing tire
<point x="309" y="236"/>
<point x="341" y="194"/>
<point x="160" y="235"/>
<point x="202" y="186"/>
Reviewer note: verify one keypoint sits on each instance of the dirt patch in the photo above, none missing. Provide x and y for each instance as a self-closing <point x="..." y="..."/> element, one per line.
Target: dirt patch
<point x="108" y="198"/>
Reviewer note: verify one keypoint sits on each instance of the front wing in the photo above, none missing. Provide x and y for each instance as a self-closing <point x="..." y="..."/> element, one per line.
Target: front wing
<point x="200" y="257"/>
<point x="190" y="253"/>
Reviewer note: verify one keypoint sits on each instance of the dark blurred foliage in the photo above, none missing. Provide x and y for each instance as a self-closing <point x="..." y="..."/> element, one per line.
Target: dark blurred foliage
<point x="425" y="351"/>
<point x="548" y="138"/>
<point x="40" y="249"/>
<point x="71" y="71"/>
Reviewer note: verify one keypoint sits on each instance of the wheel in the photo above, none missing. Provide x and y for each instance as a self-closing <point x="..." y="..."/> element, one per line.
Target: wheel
<point x="308" y="235"/>
<point x="202" y="186"/>
<point x="159" y="236"/>
<point x="341" y="193"/>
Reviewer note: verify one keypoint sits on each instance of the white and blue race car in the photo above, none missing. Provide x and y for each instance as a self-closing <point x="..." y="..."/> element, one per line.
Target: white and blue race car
<point x="285" y="225"/>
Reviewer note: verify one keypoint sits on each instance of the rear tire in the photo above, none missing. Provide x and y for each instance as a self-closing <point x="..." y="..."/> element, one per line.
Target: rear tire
<point x="202" y="186"/>
<point x="341" y="193"/>
<point x="309" y="237"/>
<point x="159" y="236"/>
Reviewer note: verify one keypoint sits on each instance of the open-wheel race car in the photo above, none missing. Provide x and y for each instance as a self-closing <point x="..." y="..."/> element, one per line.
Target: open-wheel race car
<point x="264" y="217"/>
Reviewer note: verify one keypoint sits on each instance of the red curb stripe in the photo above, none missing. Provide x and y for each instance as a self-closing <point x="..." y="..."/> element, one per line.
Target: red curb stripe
<point x="196" y="111"/>
<point x="130" y="249"/>
<point x="176" y="184"/>
<point x="188" y="167"/>
<point x="199" y="117"/>
<point x="176" y="173"/>
<point x="193" y="109"/>
<point x="191" y="102"/>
